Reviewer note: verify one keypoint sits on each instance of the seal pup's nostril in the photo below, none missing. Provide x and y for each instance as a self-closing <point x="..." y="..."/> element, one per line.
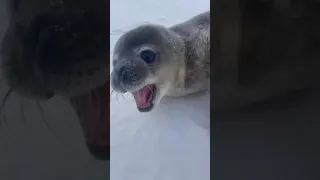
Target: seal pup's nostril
<point x="125" y="75"/>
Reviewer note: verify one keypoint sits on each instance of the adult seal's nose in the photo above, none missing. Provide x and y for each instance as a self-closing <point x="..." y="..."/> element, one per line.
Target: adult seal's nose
<point x="50" y="51"/>
<point x="55" y="43"/>
<point x="43" y="41"/>
<point x="59" y="41"/>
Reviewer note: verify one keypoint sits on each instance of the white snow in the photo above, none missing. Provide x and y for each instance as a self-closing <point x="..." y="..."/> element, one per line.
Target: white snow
<point x="172" y="142"/>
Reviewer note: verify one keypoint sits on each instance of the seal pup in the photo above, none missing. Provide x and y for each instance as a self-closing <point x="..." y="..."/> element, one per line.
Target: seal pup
<point x="55" y="47"/>
<point x="153" y="61"/>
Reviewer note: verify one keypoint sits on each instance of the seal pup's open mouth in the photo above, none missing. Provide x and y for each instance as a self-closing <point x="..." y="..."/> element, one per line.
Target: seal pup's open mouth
<point x="144" y="98"/>
<point x="91" y="108"/>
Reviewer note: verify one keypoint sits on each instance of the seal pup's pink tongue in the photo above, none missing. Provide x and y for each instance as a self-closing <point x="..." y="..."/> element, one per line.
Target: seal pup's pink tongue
<point x="144" y="96"/>
<point x="92" y="111"/>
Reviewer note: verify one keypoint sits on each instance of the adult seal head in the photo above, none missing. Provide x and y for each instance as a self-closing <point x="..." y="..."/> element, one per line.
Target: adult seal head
<point x="55" y="47"/>
<point x="152" y="61"/>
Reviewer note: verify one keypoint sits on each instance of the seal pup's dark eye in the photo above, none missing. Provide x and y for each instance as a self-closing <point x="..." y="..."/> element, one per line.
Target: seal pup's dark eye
<point x="148" y="56"/>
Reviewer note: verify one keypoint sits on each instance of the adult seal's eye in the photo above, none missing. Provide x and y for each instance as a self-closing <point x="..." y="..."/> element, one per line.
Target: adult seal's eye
<point x="148" y="56"/>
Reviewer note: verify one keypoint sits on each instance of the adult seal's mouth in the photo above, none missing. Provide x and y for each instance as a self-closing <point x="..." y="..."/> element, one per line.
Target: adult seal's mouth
<point x="92" y="108"/>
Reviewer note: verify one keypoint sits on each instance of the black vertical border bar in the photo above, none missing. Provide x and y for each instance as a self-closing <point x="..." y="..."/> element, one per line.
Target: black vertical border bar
<point x="214" y="54"/>
<point x="108" y="75"/>
<point x="213" y="42"/>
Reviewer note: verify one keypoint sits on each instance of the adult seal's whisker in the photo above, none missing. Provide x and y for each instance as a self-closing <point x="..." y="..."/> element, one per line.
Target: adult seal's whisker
<point x="3" y="105"/>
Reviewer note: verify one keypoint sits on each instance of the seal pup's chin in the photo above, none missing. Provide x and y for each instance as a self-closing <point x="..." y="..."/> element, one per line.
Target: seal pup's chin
<point x="144" y="97"/>
<point x="91" y="108"/>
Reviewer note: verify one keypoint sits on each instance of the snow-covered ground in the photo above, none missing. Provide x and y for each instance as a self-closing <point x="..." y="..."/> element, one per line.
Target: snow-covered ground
<point x="172" y="141"/>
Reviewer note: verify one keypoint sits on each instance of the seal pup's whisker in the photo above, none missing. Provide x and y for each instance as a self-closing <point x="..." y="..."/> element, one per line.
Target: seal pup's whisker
<point x="112" y="91"/>
<point x="117" y="97"/>
<point x="122" y="96"/>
